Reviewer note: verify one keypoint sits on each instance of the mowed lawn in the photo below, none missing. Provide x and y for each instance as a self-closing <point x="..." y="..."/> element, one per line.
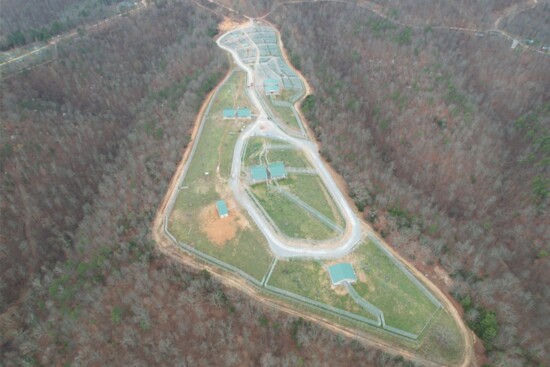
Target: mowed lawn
<point x="308" y="278"/>
<point x="310" y="189"/>
<point x="389" y="289"/>
<point x="291" y="219"/>
<point x="247" y="249"/>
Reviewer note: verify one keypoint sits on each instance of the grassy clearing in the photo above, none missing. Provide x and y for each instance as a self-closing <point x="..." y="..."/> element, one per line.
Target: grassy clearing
<point x="431" y="345"/>
<point x="286" y="115"/>
<point x="309" y="279"/>
<point x="311" y="190"/>
<point x="291" y="219"/>
<point x="292" y="158"/>
<point x="219" y="136"/>
<point x="388" y="288"/>
<point x="247" y="249"/>
<point x="442" y="342"/>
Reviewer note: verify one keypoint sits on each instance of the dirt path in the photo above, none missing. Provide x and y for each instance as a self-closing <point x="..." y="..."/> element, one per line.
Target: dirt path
<point x="170" y="249"/>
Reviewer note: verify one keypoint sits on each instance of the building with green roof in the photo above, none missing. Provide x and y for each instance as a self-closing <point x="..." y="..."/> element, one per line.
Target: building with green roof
<point x="277" y="170"/>
<point x="229" y="113"/>
<point x="244" y="113"/>
<point x="222" y="208"/>
<point x="271" y="86"/>
<point x="258" y="173"/>
<point x="342" y="273"/>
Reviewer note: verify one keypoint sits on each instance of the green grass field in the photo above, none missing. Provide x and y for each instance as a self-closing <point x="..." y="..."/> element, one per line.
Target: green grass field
<point x="285" y="114"/>
<point x="442" y="341"/>
<point x="219" y="136"/>
<point x="256" y="154"/>
<point x="380" y="283"/>
<point x="248" y="249"/>
<point x="291" y="219"/>
<point x="292" y="158"/>
<point x="311" y="280"/>
<point x="310" y="189"/>
<point x="389" y="289"/>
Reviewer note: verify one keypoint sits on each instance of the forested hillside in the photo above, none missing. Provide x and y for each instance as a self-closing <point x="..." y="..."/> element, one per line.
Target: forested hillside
<point x="442" y="138"/>
<point x="88" y="144"/>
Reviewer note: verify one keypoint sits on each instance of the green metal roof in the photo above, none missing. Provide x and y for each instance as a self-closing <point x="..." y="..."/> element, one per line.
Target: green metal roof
<point x="244" y="112"/>
<point x="277" y="170"/>
<point x="259" y="173"/>
<point x="271" y="82"/>
<point x="229" y="112"/>
<point x="271" y="88"/>
<point x="222" y="208"/>
<point x="342" y="272"/>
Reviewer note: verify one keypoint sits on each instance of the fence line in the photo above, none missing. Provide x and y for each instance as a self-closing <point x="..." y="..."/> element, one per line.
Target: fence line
<point x="310" y="209"/>
<point x="325" y="307"/>
<point x="272" y="267"/>
<point x="365" y="304"/>
<point x="407" y="273"/>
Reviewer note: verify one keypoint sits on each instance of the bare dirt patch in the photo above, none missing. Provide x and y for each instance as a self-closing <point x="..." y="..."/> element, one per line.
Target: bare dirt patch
<point x="228" y="24"/>
<point x="220" y="230"/>
<point x="441" y="274"/>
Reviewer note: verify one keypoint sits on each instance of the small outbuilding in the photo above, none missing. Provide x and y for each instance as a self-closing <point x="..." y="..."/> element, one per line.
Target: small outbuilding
<point x="258" y="173"/>
<point x="271" y="86"/>
<point x="342" y="273"/>
<point x="244" y="113"/>
<point x="229" y="113"/>
<point x="277" y="170"/>
<point x="222" y="208"/>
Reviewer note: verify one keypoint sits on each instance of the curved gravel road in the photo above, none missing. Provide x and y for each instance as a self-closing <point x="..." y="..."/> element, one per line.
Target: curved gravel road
<point x="263" y="126"/>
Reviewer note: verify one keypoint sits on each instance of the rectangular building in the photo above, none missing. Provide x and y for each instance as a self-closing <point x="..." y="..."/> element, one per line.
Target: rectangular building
<point x="277" y="170"/>
<point x="258" y="173"/>
<point x="229" y="113"/>
<point x="342" y="273"/>
<point x="271" y="86"/>
<point x="222" y="208"/>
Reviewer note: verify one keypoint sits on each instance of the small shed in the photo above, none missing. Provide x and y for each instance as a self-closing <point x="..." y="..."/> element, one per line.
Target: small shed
<point x="271" y="86"/>
<point x="342" y="273"/>
<point x="244" y="113"/>
<point x="222" y="208"/>
<point x="258" y="173"/>
<point x="277" y="170"/>
<point x="229" y="113"/>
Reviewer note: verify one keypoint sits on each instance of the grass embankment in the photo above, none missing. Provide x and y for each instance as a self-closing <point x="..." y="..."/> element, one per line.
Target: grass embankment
<point x="388" y="288"/>
<point x="291" y="219"/>
<point x="285" y="114"/>
<point x="194" y="219"/>
<point x="310" y="189"/>
<point x="259" y="148"/>
<point x="292" y="158"/>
